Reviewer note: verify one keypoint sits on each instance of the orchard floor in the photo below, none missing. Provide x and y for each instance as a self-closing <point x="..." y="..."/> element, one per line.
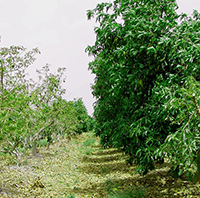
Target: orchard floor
<point x="81" y="168"/>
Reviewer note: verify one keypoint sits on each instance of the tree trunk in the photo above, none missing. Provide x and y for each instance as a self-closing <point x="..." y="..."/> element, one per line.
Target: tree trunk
<point x="48" y="145"/>
<point x="34" y="151"/>
<point x="198" y="153"/>
<point x="198" y="167"/>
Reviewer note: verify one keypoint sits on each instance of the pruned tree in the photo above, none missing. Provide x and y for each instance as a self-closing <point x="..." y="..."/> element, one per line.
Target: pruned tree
<point x="32" y="110"/>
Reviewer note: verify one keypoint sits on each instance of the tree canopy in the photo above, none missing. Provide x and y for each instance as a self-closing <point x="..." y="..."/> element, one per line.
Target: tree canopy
<point x="146" y="62"/>
<point x="30" y="110"/>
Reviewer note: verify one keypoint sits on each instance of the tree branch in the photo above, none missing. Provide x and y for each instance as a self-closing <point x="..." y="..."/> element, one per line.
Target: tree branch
<point x="2" y="83"/>
<point x="13" y="145"/>
<point x="195" y="104"/>
<point x="188" y="121"/>
<point x="43" y="128"/>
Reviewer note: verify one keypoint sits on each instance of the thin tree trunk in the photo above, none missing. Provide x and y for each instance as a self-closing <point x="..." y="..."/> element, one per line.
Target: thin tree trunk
<point x="15" y="151"/>
<point x="2" y="85"/>
<point x="196" y="104"/>
<point x="34" y="151"/>
<point x="198" y="154"/>
<point x="48" y="145"/>
<point x="198" y="168"/>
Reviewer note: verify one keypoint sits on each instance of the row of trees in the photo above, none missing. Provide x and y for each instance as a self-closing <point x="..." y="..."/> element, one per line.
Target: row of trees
<point x="147" y="67"/>
<point x="29" y="110"/>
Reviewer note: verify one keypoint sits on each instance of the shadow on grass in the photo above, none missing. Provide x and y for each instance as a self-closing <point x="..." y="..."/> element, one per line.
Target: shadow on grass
<point x="107" y="152"/>
<point x="103" y="159"/>
<point x="106" y="155"/>
<point x="120" y="178"/>
<point x="153" y="186"/>
<point x="110" y="185"/>
<point x="106" y="168"/>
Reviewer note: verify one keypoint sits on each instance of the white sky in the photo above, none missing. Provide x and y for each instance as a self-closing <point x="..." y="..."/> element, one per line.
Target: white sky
<point x="61" y="31"/>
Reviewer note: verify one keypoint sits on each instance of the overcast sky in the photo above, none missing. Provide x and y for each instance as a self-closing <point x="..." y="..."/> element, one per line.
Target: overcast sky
<point x="61" y="31"/>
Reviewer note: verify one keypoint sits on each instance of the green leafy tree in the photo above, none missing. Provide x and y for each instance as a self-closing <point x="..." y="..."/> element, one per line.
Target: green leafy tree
<point x="84" y="124"/>
<point x="144" y="55"/>
<point x="29" y="110"/>
<point x="45" y="95"/>
<point x="14" y="100"/>
<point x="90" y="123"/>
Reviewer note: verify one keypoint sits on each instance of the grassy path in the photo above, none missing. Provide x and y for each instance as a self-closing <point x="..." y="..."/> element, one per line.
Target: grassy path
<point x="81" y="168"/>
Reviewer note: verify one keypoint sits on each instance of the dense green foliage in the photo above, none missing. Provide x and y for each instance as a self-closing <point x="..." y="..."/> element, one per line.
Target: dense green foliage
<point x="31" y="111"/>
<point x="86" y="122"/>
<point x="147" y="82"/>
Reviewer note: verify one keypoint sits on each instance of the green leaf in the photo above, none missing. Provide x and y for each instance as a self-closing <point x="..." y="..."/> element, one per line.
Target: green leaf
<point x="151" y="50"/>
